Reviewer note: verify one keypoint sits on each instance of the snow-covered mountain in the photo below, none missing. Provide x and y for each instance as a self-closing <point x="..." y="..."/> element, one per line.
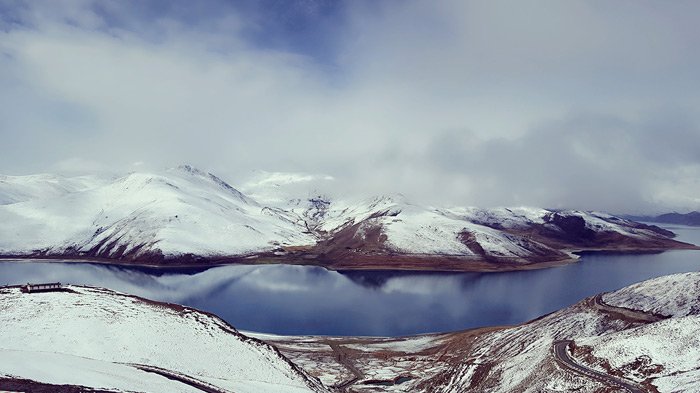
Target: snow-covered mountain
<point x="144" y="216"/>
<point x="187" y="216"/>
<point x="100" y="339"/>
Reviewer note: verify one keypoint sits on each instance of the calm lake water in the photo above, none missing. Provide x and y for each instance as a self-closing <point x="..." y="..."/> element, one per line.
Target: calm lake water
<point x="310" y="300"/>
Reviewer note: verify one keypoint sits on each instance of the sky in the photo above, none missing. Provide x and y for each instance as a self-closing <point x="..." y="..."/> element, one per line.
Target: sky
<point x="578" y="104"/>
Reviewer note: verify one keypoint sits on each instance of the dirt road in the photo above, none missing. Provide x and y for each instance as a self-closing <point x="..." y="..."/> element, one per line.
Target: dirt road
<point x="627" y="314"/>
<point x="342" y="358"/>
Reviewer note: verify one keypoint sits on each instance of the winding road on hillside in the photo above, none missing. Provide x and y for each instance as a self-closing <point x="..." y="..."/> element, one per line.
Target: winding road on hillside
<point x="561" y="356"/>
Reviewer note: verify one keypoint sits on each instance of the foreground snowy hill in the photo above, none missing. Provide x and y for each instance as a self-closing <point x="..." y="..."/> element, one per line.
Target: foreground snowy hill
<point x="645" y="336"/>
<point x="187" y="216"/>
<point x="106" y="340"/>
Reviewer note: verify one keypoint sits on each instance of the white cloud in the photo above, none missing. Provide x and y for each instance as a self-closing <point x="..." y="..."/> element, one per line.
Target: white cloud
<point x="577" y="104"/>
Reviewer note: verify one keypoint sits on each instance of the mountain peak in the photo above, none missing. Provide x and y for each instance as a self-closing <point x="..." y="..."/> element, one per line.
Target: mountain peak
<point x="187" y="168"/>
<point x="191" y="170"/>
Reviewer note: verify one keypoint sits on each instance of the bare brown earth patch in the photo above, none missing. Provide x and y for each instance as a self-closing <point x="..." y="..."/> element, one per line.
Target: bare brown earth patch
<point x="363" y="364"/>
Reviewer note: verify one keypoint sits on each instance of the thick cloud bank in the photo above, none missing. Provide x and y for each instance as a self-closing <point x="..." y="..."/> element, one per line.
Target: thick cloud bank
<point x="582" y="104"/>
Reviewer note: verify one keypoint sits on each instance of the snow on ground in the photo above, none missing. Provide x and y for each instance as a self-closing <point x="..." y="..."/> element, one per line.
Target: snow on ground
<point x="406" y="344"/>
<point x="412" y="344"/>
<point x="61" y="369"/>
<point x="679" y="383"/>
<point x="417" y="230"/>
<point x="181" y="211"/>
<point x="671" y="343"/>
<point x="15" y="189"/>
<point x="520" y="358"/>
<point x="108" y="327"/>
<point x="98" y="333"/>
<point x="423" y="230"/>
<point x="674" y="295"/>
<point x="665" y="353"/>
<point x="334" y="214"/>
<point x="600" y="222"/>
<point x="514" y="217"/>
<point x="398" y="364"/>
<point x="420" y="231"/>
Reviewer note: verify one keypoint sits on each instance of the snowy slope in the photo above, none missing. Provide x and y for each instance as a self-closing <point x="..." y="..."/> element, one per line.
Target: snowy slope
<point x="413" y="229"/>
<point x="521" y="235"/>
<point x="178" y="212"/>
<point x="100" y="333"/>
<point x="675" y="295"/>
<point x="61" y="369"/>
<point x="15" y="189"/>
<point x="519" y="359"/>
<point x="664" y="353"/>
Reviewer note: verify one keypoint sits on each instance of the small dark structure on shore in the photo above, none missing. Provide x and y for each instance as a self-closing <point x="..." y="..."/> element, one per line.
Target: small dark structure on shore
<point x="31" y="288"/>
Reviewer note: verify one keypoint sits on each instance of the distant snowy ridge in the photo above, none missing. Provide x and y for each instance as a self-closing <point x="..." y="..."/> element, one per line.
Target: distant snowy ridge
<point x="185" y="215"/>
<point x="15" y="189"/>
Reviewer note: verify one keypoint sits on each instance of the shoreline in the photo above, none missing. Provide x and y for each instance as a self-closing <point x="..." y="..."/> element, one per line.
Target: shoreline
<point x="402" y="263"/>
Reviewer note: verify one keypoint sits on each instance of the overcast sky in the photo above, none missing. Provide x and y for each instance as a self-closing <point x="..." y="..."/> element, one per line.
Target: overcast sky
<point x="578" y="104"/>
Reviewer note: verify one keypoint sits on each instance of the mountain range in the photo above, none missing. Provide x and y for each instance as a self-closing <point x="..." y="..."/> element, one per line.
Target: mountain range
<point x="185" y="216"/>
<point x="691" y="219"/>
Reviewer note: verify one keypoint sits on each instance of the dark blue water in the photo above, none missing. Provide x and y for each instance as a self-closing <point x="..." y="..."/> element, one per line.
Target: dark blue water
<point x="308" y="300"/>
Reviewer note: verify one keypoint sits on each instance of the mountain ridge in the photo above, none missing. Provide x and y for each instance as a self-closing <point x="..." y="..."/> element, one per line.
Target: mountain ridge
<point x="691" y="218"/>
<point x="185" y="216"/>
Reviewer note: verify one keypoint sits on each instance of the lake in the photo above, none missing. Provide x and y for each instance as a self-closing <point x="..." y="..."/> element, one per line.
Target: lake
<point x="297" y="300"/>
